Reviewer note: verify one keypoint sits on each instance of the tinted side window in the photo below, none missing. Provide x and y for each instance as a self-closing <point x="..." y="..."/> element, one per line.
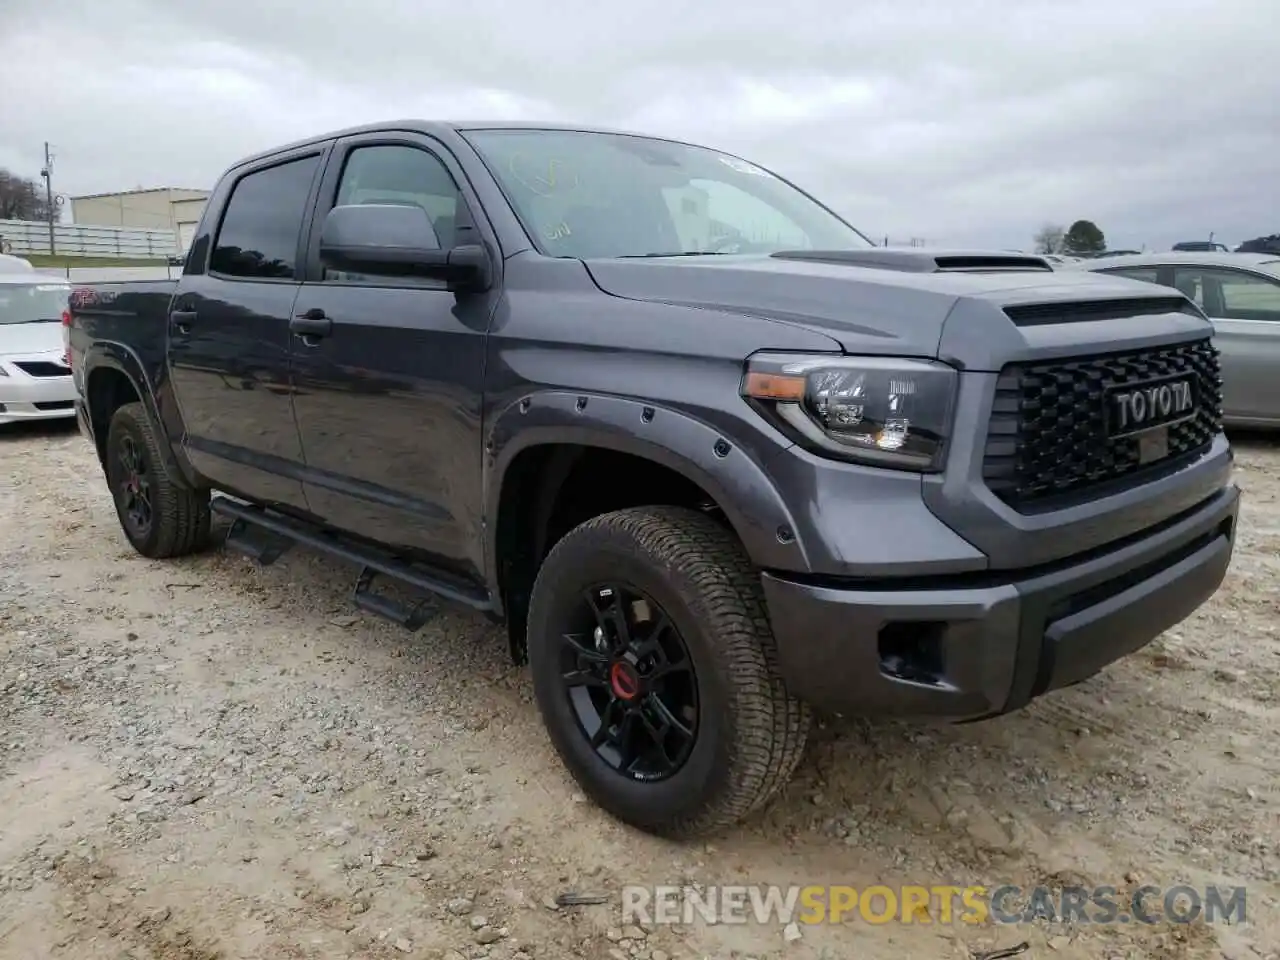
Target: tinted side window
<point x="402" y="175"/>
<point x="259" y="232"/>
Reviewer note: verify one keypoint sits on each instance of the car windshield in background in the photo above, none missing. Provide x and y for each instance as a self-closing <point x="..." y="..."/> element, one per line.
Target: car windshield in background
<point x="33" y="303"/>
<point x="587" y="195"/>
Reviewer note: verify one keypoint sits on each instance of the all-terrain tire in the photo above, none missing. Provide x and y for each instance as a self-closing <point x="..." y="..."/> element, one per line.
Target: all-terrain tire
<point x="179" y="513"/>
<point x="750" y="731"/>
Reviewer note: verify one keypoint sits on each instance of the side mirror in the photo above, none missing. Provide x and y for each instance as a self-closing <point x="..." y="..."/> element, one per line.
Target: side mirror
<point x="398" y="240"/>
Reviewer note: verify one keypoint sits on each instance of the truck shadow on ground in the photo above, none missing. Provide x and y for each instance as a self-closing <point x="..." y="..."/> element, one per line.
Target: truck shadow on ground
<point x="1116" y="767"/>
<point x="1139" y="775"/>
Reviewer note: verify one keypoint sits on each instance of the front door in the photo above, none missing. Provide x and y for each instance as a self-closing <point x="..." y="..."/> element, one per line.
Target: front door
<point x="1245" y="310"/>
<point x="229" y="338"/>
<point x="388" y="400"/>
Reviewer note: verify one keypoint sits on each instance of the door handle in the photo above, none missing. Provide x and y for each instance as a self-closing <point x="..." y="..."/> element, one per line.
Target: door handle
<point x="182" y="320"/>
<point x="311" y="324"/>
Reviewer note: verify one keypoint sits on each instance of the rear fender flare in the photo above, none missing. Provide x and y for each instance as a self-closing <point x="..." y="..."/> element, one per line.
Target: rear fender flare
<point x="112" y="355"/>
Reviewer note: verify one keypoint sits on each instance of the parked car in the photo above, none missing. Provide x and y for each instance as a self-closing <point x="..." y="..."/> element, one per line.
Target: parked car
<point x="1240" y="293"/>
<point x="1201" y="246"/>
<point x="1269" y="245"/>
<point x="512" y="366"/>
<point x="12" y="264"/>
<point x="35" y="382"/>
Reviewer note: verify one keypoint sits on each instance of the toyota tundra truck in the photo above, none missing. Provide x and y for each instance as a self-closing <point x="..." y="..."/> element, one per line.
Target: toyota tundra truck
<point x="714" y="458"/>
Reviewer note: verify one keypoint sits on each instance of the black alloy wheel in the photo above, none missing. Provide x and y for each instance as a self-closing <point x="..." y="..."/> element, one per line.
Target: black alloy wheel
<point x="630" y="682"/>
<point x="161" y="515"/>
<point x="133" y="488"/>
<point x="655" y="671"/>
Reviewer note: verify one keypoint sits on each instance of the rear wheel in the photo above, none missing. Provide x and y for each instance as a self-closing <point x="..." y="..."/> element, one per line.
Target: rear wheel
<point x="656" y="672"/>
<point x="160" y="515"/>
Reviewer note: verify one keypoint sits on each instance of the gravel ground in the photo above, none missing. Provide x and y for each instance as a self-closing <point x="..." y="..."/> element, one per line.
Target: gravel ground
<point x="205" y="759"/>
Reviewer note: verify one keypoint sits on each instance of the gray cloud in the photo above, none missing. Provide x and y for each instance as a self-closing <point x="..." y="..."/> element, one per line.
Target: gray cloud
<point x="964" y="123"/>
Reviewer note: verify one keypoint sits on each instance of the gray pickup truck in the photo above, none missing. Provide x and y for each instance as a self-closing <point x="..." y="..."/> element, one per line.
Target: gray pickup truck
<point x="713" y="457"/>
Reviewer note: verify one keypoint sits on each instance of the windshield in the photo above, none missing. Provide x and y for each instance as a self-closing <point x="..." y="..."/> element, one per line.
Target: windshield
<point x="32" y="303"/>
<point x="611" y="195"/>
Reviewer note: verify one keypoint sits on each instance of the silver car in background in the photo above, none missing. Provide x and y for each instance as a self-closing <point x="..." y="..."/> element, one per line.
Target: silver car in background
<point x="35" y="382"/>
<point x="1240" y="293"/>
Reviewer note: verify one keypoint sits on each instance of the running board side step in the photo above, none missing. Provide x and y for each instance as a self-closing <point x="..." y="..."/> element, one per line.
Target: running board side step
<point x="265" y="536"/>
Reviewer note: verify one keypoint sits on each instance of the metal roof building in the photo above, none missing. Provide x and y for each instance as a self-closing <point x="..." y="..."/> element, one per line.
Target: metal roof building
<point x="162" y="208"/>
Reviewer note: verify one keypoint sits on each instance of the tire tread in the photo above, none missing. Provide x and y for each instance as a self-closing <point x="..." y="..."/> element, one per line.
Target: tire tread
<point x="182" y="516"/>
<point x="707" y="564"/>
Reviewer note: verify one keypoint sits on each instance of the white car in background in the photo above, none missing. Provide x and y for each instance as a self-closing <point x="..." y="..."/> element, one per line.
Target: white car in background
<point x="11" y="264"/>
<point x="35" y="381"/>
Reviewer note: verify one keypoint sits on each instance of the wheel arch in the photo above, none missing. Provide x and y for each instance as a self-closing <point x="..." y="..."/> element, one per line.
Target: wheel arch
<point x="541" y="448"/>
<point x="113" y="375"/>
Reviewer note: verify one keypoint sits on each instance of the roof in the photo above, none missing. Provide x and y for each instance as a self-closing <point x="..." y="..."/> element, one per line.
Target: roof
<point x="1199" y="258"/>
<point x="134" y="193"/>
<point x="437" y="127"/>
<point x="11" y="264"/>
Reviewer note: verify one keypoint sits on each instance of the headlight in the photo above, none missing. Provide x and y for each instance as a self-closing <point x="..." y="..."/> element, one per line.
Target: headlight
<point x="886" y="412"/>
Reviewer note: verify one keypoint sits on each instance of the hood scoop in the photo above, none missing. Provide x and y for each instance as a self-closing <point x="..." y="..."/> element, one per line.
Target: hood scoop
<point x="915" y="260"/>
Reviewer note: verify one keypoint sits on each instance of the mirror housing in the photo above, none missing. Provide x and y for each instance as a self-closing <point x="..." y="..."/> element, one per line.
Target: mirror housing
<point x="398" y="240"/>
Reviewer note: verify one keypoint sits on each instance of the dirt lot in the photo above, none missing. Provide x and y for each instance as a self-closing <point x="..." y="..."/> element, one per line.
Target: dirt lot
<point x="209" y="760"/>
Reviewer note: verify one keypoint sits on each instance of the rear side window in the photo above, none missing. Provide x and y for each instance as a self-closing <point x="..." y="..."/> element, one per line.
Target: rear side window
<point x="1230" y="294"/>
<point x="258" y="237"/>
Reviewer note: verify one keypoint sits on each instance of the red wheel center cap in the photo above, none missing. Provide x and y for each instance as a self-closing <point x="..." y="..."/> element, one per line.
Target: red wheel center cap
<point x="624" y="680"/>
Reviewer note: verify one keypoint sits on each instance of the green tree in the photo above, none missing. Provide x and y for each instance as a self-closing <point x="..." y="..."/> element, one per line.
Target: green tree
<point x="1084" y="239"/>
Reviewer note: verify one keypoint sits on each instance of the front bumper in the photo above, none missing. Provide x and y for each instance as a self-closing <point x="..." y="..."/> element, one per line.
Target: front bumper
<point x="25" y="397"/>
<point x="979" y="645"/>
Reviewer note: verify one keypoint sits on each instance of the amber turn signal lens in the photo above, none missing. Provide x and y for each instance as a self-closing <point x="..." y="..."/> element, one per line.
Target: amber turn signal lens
<point x="771" y="386"/>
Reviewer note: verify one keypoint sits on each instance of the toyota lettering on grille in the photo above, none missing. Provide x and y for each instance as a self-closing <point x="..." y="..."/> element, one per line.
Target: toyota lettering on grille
<point x="1133" y="408"/>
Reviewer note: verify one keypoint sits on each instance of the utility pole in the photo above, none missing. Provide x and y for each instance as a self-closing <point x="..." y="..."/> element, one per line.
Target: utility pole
<point x="47" y="173"/>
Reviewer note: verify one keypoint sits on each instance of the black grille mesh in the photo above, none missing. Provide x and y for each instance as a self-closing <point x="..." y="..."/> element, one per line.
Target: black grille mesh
<point x="1047" y="437"/>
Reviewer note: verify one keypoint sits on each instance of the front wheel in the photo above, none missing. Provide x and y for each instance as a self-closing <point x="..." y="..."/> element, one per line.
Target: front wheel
<point x="161" y="516"/>
<point x="655" y="671"/>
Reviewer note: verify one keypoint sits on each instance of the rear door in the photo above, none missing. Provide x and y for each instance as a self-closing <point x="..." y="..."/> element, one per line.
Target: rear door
<point x="389" y="399"/>
<point x="229" y="339"/>
<point x="1245" y="310"/>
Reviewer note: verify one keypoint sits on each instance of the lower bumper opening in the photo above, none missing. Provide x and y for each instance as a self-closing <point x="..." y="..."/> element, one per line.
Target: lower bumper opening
<point x="913" y="651"/>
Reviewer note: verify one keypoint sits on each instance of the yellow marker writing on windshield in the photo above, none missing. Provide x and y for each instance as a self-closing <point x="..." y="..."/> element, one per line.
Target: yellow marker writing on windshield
<point x="557" y="175"/>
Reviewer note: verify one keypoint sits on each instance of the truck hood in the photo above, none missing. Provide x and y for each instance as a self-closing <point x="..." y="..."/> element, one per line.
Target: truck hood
<point x="27" y="338"/>
<point x="900" y="302"/>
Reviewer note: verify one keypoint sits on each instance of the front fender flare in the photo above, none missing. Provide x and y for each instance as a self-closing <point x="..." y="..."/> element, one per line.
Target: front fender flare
<point x="735" y="481"/>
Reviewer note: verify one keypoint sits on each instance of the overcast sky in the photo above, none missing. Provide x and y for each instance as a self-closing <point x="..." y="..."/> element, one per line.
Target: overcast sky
<point x="960" y="122"/>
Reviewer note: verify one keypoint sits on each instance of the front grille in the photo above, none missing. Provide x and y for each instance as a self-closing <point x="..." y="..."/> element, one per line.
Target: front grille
<point x="42" y="368"/>
<point x="1047" y="439"/>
